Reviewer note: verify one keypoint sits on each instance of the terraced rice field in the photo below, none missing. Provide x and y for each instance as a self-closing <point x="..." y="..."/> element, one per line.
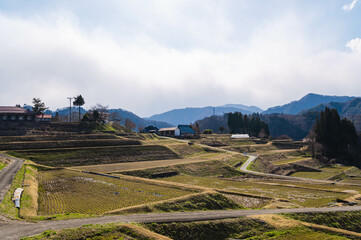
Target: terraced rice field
<point x="96" y="155"/>
<point x="131" y="166"/>
<point x="302" y="197"/>
<point x="65" y="191"/>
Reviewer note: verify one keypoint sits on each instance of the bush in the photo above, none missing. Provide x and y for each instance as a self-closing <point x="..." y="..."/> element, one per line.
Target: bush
<point x="208" y="131"/>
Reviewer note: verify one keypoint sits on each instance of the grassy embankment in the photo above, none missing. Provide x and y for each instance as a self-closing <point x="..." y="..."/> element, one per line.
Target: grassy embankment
<point x="7" y="207"/>
<point x="2" y="165"/>
<point x="96" y="232"/>
<point x="27" y="179"/>
<point x="344" y="220"/>
<point x="242" y="228"/>
<point x="210" y="200"/>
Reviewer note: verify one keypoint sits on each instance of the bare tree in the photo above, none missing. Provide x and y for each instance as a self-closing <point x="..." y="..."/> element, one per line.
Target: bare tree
<point x="312" y="145"/>
<point x="129" y="124"/>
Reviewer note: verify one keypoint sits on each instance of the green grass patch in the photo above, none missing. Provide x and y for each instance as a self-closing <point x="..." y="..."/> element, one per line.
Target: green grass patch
<point x="344" y="220"/>
<point x="96" y="155"/>
<point x="7" y="206"/>
<point x="2" y="165"/>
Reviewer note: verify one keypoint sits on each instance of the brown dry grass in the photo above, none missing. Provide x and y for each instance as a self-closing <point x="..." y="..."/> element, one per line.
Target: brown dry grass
<point x="331" y="229"/>
<point x="148" y="207"/>
<point x="277" y="221"/>
<point x="29" y="199"/>
<point x="144" y="232"/>
<point x="132" y="166"/>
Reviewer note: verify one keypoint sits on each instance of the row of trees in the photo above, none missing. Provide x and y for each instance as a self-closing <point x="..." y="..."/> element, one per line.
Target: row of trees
<point x="333" y="135"/>
<point x="248" y="124"/>
<point x="334" y="139"/>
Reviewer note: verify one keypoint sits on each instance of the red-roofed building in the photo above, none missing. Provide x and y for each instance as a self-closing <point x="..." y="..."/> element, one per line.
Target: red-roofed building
<point x="15" y="114"/>
<point x="43" y="118"/>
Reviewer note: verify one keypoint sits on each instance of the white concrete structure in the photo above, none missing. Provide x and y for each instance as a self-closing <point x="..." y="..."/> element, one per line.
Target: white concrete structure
<point x="240" y="136"/>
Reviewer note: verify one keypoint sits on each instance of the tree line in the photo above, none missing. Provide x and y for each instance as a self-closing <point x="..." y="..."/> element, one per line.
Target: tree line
<point x="247" y="124"/>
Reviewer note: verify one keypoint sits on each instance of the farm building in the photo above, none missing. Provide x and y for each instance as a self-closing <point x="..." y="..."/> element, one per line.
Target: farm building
<point x="150" y="129"/>
<point x="170" y="132"/>
<point x="180" y="131"/>
<point x="240" y="136"/>
<point x="15" y="114"/>
<point x="43" y="118"/>
<point x="186" y="131"/>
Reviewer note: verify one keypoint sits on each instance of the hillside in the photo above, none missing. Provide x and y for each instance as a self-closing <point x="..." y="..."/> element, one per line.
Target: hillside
<point x="350" y="109"/>
<point x="294" y="126"/>
<point x="140" y="122"/>
<point x="309" y="101"/>
<point x="124" y="114"/>
<point x="190" y="115"/>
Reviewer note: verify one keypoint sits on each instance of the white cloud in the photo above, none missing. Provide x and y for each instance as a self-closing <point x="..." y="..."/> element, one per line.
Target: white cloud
<point x="54" y="57"/>
<point x="349" y="7"/>
<point x="354" y="45"/>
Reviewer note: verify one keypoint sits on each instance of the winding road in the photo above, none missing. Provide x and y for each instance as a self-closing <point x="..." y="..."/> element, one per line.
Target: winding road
<point x="7" y="174"/>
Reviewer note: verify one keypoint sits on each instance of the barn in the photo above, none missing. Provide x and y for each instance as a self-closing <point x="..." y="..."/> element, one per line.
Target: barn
<point x="170" y="132"/>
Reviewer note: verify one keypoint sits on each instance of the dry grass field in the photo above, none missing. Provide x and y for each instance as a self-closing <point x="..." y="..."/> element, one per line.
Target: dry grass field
<point x="132" y="166"/>
<point x="65" y="191"/>
<point x="300" y="196"/>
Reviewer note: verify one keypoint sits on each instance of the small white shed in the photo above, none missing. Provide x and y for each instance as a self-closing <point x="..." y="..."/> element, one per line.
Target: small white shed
<point x="240" y="136"/>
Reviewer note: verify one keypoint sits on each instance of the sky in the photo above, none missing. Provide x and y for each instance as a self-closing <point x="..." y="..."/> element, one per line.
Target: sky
<point x="151" y="56"/>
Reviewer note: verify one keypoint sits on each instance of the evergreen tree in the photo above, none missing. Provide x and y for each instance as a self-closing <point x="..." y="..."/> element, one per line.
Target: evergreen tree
<point x="39" y="107"/>
<point x="79" y="101"/>
<point x="334" y="134"/>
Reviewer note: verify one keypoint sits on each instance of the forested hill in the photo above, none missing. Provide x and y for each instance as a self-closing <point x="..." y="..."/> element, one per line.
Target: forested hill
<point x="309" y="101"/>
<point x="190" y="115"/>
<point x="350" y="109"/>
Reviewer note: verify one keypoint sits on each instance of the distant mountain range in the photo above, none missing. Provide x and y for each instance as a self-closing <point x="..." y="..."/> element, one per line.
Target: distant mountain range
<point x="191" y="115"/>
<point x="294" y="119"/>
<point x="309" y="101"/>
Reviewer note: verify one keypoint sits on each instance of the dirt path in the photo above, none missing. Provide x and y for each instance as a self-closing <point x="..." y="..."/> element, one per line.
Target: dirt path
<point x="7" y="174"/>
<point x="15" y="231"/>
<point x="252" y="158"/>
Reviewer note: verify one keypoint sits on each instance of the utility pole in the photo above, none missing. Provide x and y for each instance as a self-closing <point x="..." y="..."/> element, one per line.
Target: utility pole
<point x="70" y="98"/>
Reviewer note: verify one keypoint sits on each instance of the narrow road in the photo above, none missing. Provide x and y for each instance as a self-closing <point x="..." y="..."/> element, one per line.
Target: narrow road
<point x="252" y="158"/>
<point x="15" y="231"/>
<point x="7" y="174"/>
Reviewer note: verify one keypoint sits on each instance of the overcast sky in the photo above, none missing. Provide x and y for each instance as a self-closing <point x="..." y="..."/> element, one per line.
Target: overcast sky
<point x="155" y="55"/>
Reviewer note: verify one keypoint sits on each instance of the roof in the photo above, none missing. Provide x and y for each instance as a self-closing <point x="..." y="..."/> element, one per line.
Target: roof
<point x="17" y="110"/>
<point x="186" y="129"/>
<point x="43" y="116"/>
<point x="240" y="136"/>
<point x="167" y="129"/>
